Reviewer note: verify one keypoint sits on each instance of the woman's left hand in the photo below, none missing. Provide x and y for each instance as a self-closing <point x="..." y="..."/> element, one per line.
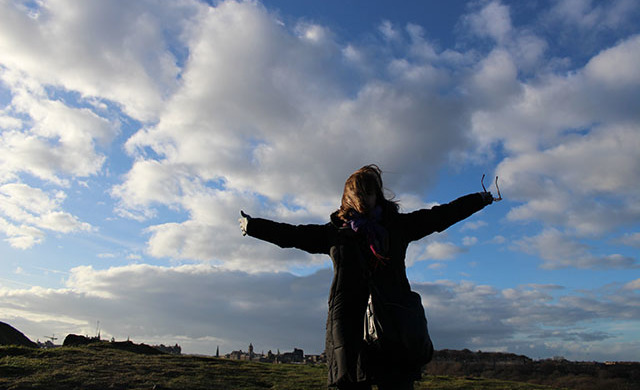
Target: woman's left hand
<point x="487" y="196"/>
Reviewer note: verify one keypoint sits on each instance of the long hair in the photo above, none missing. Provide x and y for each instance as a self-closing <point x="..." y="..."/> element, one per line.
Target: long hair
<point x="364" y="181"/>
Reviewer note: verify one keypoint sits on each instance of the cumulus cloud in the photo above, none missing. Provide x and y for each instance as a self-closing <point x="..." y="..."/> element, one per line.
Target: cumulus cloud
<point x="441" y="251"/>
<point x="560" y="251"/>
<point x="55" y="141"/>
<point x="469" y="241"/>
<point x="30" y="211"/>
<point x="631" y="239"/>
<point x="633" y="285"/>
<point x="473" y="225"/>
<point x="493" y="21"/>
<point x="69" y="70"/>
<point x="589" y="15"/>
<point x="593" y="196"/>
<point x="527" y="319"/>
<point x="553" y="130"/>
<point x="621" y="57"/>
<point x="113" y="50"/>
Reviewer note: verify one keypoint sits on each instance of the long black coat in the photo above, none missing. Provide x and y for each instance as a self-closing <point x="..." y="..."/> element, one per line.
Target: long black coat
<point x="346" y="355"/>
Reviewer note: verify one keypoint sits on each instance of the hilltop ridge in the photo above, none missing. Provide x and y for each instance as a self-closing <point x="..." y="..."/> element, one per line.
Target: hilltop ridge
<point x="12" y="336"/>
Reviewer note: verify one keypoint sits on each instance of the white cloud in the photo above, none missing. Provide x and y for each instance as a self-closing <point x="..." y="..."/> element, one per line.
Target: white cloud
<point x="566" y="185"/>
<point x="493" y="21"/>
<point x="498" y="239"/>
<point x="587" y="15"/>
<point x="631" y="239"/>
<point x="495" y="81"/>
<point x="558" y="250"/>
<point x="150" y="182"/>
<point x="469" y="241"/>
<point x="9" y="122"/>
<point x="115" y="50"/>
<point x="388" y="31"/>
<point x="571" y="159"/>
<point x="20" y="236"/>
<point x="42" y="137"/>
<point x="524" y="319"/>
<point x="578" y="12"/>
<point x="59" y="140"/>
<point x="65" y="66"/>
<point x="614" y="67"/>
<point x="208" y="235"/>
<point x="441" y="251"/>
<point x="473" y="225"/>
<point x="30" y="211"/>
<point x="633" y="285"/>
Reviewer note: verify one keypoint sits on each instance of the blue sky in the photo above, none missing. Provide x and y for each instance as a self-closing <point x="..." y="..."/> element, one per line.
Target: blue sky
<point x="132" y="133"/>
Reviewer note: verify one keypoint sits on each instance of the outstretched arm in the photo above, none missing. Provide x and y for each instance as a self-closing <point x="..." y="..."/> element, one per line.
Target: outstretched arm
<point x="309" y="238"/>
<point x="421" y="223"/>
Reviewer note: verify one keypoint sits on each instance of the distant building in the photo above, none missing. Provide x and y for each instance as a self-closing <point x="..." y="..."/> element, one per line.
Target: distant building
<point x="175" y="350"/>
<point x="297" y="356"/>
<point x="241" y="355"/>
<point x="46" y="344"/>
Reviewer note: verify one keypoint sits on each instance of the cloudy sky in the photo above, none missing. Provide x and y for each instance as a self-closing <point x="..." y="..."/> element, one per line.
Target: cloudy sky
<point x="132" y="133"/>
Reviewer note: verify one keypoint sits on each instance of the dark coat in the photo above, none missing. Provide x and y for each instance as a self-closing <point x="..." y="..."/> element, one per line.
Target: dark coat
<point x="348" y="360"/>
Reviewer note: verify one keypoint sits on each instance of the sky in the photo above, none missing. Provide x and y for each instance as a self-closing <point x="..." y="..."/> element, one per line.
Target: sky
<point x="133" y="133"/>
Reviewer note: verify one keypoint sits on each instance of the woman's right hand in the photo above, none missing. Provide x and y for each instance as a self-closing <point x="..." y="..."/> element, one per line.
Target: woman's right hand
<point x="244" y="222"/>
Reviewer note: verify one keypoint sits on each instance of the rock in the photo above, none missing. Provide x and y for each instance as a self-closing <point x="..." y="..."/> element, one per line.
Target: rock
<point x="142" y="349"/>
<point x="74" y="340"/>
<point x="11" y="336"/>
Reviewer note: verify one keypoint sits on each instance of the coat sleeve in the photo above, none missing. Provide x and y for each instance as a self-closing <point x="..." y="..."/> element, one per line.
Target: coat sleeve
<point x="309" y="238"/>
<point x="421" y="223"/>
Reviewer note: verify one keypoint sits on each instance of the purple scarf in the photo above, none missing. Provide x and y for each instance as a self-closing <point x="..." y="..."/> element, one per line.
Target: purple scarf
<point x="376" y="234"/>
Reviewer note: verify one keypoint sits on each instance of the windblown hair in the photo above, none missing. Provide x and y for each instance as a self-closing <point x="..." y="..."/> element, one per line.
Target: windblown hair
<point x="364" y="181"/>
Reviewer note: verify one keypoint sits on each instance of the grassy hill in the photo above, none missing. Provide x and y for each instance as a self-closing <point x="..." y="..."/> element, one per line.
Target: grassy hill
<point x="101" y="366"/>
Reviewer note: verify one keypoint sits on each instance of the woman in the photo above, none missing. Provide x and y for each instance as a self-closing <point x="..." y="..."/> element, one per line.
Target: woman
<point x="367" y="239"/>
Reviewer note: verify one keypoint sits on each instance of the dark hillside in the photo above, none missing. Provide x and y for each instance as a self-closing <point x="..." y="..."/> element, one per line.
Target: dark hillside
<point x="11" y="336"/>
<point x="551" y="372"/>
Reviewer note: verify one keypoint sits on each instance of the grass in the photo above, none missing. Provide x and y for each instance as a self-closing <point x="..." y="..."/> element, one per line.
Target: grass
<point x="102" y="367"/>
<point x="451" y="383"/>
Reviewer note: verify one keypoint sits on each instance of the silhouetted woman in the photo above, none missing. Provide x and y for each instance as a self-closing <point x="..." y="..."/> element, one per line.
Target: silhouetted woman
<point x="367" y="239"/>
